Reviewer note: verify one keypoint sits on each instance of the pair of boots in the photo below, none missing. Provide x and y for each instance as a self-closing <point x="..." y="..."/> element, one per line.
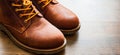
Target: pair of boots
<point x="27" y="28"/>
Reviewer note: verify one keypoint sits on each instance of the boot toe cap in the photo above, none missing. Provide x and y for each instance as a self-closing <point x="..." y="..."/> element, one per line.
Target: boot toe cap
<point x="47" y="37"/>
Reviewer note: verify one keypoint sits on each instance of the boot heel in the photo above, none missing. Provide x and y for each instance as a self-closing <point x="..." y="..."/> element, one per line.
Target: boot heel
<point x="1" y="27"/>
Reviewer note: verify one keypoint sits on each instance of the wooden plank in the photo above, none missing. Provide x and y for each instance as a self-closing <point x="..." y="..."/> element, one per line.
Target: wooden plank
<point x="99" y="33"/>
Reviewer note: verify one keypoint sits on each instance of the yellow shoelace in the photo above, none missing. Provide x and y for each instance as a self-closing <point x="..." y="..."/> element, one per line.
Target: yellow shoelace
<point x="46" y="2"/>
<point x="26" y="7"/>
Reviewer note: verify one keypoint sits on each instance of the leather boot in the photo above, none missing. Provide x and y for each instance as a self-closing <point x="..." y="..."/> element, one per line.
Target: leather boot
<point x="58" y="15"/>
<point x="27" y="28"/>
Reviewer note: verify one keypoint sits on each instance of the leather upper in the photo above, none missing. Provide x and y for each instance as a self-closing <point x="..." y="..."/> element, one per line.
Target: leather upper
<point x="37" y="33"/>
<point x="58" y="15"/>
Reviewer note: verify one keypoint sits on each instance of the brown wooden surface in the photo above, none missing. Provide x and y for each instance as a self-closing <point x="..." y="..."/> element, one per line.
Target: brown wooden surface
<point x="99" y="33"/>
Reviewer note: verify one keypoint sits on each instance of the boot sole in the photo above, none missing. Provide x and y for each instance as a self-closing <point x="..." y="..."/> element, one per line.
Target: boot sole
<point x="71" y="31"/>
<point x="29" y="49"/>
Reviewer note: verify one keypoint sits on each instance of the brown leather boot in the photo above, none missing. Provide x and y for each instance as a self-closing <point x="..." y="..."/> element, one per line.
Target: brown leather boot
<point x="58" y="15"/>
<point x="27" y="28"/>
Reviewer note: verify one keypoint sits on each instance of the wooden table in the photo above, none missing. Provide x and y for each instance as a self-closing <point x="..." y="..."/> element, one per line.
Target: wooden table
<point x="99" y="33"/>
